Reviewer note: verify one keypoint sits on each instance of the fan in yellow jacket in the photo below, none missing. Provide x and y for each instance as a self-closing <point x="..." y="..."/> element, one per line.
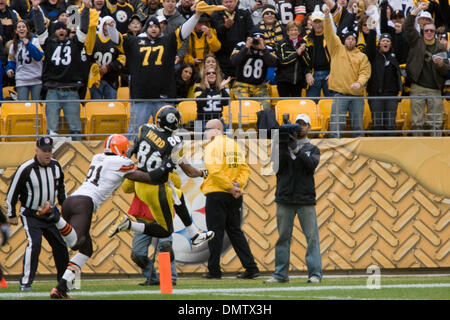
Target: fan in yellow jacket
<point x="350" y="71"/>
<point x="201" y="42"/>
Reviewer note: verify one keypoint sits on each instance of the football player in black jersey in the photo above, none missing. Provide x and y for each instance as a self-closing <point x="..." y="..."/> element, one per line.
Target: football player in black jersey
<point x="154" y="147"/>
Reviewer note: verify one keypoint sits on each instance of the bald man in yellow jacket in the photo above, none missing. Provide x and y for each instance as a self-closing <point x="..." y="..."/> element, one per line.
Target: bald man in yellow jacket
<point x="227" y="175"/>
<point x="349" y="73"/>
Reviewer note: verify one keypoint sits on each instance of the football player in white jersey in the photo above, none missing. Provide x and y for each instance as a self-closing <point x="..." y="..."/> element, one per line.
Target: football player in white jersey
<point x="106" y="173"/>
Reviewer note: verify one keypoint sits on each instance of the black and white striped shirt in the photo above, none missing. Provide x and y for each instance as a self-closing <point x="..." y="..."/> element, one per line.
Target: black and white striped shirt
<point x="33" y="185"/>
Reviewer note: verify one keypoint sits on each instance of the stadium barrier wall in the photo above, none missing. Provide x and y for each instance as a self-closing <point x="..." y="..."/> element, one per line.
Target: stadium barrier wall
<point x="382" y="201"/>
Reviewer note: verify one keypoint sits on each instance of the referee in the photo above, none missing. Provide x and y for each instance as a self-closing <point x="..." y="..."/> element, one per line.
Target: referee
<point x="37" y="183"/>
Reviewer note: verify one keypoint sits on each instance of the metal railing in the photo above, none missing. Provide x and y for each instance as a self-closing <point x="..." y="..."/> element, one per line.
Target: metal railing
<point x="325" y="123"/>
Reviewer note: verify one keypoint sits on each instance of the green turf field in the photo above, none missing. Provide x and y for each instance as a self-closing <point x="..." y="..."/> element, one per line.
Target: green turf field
<point x="405" y="287"/>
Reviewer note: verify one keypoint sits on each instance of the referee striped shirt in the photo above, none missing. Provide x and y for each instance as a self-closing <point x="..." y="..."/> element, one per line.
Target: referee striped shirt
<point x="34" y="184"/>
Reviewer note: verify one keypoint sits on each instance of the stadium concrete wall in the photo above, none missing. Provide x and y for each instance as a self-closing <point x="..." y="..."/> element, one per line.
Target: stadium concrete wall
<point x="382" y="201"/>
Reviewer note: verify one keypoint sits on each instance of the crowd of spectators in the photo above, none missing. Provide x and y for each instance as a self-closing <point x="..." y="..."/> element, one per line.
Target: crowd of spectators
<point x="296" y="45"/>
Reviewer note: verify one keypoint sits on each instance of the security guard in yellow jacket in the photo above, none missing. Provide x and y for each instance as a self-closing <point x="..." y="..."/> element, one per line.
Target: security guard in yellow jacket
<point x="227" y="175"/>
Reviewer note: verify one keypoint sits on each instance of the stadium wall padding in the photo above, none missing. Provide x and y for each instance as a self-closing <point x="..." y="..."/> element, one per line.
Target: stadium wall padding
<point x="382" y="201"/>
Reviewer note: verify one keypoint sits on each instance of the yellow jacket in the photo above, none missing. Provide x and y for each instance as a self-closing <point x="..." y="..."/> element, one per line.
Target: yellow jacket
<point x="346" y="67"/>
<point x="225" y="161"/>
<point x="200" y="47"/>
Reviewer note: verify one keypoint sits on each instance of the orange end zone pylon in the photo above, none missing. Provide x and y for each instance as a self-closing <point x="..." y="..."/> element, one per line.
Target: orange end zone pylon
<point x="165" y="272"/>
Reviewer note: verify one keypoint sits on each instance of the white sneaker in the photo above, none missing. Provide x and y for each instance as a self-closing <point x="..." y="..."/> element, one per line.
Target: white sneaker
<point x="275" y="280"/>
<point x="314" y="279"/>
<point x="201" y="237"/>
<point x="124" y="224"/>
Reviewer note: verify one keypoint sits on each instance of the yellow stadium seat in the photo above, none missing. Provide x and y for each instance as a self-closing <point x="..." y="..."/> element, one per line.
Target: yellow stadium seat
<point x="248" y="109"/>
<point x="105" y="117"/>
<point x="63" y="125"/>
<point x="188" y="111"/>
<point x="324" y="110"/>
<point x="123" y="93"/>
<point x="446" y="114"/>
<point x="296" y="107"/>
<point x="22" y="119"/>
<point x="367" y="116"/>
<point x="404" y="107"/>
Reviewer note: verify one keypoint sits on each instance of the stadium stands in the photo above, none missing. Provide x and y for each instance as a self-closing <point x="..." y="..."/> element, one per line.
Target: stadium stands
<point x="105" y="117"/>
<point x="20" y="119"/>
<point x="188" y="111"/>
<point x="295" y="107"/>
<point x="247" y="117"/>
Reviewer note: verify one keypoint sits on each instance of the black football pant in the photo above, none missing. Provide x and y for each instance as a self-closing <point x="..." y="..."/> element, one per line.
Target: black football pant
<point x="223" y="214"/>
<point x="35" y="229"/>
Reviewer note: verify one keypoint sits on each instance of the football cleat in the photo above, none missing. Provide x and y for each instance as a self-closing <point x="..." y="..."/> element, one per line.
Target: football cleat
<point x="123" y="225"/>
<point x="201" y="237"/>
<point x="57" y="294"/>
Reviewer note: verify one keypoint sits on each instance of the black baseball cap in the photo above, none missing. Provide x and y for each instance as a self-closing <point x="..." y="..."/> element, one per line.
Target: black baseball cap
<point x="45" y="143"/>
<point x="397" y="14"/>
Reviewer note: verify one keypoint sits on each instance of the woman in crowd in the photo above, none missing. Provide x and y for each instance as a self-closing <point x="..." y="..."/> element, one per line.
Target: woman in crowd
<point x="212" y="87"/>
<point x="25" y="62"/>
<point x="185" y="81"/>
<point x="293" y="62"/>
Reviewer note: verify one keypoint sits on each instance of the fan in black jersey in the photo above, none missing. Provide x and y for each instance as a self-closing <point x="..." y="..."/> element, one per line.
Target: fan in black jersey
<point x="150" y="59"/>
<point x="109" y="59"/>
<point x="155" y="146"/>
<point x="62" y="73"/>
<point x="251" y="60"/>
<point x="290" y="10"/>
<point x="122" y="12"/>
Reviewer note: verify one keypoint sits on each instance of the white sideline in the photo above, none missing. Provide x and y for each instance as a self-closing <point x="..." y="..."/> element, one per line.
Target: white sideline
<point x="14" y="295"/>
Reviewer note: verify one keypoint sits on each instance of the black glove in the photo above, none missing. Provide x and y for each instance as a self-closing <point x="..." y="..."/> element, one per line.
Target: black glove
<point x="166" y="166"/>
<point x="204" y="173"/>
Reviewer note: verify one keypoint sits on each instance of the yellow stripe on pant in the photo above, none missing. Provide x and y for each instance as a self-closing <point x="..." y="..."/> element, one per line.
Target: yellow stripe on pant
<point x="159" y="200"/>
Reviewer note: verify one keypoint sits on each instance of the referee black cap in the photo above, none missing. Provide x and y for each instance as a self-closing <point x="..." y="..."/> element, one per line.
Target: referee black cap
<point x="45" y="143"/>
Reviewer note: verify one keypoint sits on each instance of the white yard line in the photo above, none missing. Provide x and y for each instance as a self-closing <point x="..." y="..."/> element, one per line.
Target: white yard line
<point x="277" y="289"/>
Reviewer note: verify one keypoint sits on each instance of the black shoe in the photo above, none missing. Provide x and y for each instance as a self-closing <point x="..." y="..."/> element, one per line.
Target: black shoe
<point x="211" y="276"/>
<point x="166" y="246"/>
<point x="149" y="283"/>
<point x="248" y="275"/>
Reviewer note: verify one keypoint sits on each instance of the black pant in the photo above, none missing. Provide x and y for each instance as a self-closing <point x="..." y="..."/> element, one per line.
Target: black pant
<point x="286" y="89"/>
<point x="384" y="114"/>
<point x="35" y="229"/>
<point x="223" y="213"/>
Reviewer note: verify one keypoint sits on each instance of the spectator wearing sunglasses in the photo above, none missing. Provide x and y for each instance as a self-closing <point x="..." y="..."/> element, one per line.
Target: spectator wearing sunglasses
<point x="213" y="87"/>
<point x="427" y="67"/>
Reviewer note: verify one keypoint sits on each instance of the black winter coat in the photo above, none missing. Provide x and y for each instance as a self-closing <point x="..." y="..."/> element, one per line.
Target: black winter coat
<point x="376" y="85"/>
<point x="292" y="68"/>
<point x="295" y="178"/>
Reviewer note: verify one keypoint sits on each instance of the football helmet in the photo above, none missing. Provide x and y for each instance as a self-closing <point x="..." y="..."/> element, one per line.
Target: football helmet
<point x="168" y="118"/>
<point x="117" y="144"/>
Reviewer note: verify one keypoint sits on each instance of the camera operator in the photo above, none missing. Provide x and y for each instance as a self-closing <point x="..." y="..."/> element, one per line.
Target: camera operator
<point x="251" y="59"/>
<point x="295" y="195"/>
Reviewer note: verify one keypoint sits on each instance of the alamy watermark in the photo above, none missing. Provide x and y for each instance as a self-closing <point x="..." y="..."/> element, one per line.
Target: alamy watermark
<point x="374" y="280"/>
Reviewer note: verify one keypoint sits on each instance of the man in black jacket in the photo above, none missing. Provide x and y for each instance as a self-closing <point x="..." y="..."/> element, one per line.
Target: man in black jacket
<point x="62" y="73"/>
<point x="295" y="195"/>
<point x="385" y="80"/>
